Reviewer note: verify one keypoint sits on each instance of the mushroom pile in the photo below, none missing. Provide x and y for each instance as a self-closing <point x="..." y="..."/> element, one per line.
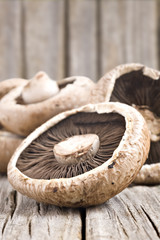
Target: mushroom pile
<point x="26" y="104"/>
<point x="26" y="107"/>
<point x="138" y="86"/>
<point x="85" y="142"/>
<point x="81" y="157"/>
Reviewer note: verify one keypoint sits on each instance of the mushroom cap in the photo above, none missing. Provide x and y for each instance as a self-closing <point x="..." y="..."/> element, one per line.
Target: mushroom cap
<point x="99" y="184"/>
<point x="7" y="85"/>
<point x="22" y="119"/>
<point x="149" y="174"/>
<point x="140" y="75"/>
<point x="8" y="143"/>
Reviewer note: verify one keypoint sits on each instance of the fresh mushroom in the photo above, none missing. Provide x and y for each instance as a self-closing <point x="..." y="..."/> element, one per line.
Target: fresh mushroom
<point x="27" y="107"/>
<point x="39" y="88"/>
<point x="81" y="157"/>
<point x="7" y="85"/>
<point x="138" y="86"/>
<point x="8" y="143"/>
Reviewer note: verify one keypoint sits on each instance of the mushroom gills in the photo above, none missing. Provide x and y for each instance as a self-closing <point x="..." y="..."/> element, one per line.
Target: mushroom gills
<point x="48" y="157"/>
<point x="143" y="93"/>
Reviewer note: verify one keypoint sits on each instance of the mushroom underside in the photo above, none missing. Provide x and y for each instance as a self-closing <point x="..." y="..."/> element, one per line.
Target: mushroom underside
<point x="38" y="160"/>
<point x="142" y="92"/>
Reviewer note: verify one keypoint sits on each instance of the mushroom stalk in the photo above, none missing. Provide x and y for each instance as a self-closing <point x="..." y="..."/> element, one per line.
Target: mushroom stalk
<point x="39" y="88"/>
<point x="76" y="148"/>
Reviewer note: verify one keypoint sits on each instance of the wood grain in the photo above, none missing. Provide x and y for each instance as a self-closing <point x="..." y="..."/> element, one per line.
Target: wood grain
<point x="82" y="48"/>
<point x="128" y="33"/>
<point x="133" y="214"/>
<point x="44" y="37"/>
<point x="10" y="40"/>
<point x="23" y="218"/>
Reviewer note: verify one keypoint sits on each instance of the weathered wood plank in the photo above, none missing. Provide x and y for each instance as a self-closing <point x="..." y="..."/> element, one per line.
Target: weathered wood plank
<point x="10" y="39"/>
<point x="82" y="38"/>
<point x="133" y="214"/>
<point x="128" y="33"/>
<point x="23" y="218"/>
<point x="44" y="37"/>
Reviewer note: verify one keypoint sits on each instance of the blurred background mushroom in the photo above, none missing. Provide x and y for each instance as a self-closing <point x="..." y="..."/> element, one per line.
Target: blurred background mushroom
<point x="26" y="107"/>
<point x="8" y="141"/>
<point x="26" y="104"/>
<point x="110" y="144"/>
<point x="138" y="86"/>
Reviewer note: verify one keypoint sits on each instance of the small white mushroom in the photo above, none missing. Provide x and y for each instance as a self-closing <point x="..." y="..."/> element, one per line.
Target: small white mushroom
<point x="39" y="88"/>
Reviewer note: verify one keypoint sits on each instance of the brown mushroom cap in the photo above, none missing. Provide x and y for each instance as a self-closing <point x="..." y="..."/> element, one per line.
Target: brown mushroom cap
<point x="115" y="172"/>
<point x="8" y="143"/>
<point x="21" y="118"/>
<point x="138" y="86"/>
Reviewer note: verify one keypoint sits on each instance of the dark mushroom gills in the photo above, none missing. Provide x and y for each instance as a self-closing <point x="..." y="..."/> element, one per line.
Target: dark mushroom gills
<point x="138" y="86"/>
<point x="143" y="93"/>
<point x="73" y="146"/>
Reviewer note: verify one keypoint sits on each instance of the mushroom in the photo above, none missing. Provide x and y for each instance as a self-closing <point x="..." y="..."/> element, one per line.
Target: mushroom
<point x="26" y="107"/>
<point x="81" y="157"/>
<point x="8" y="143"/>
<point x="138" y="86"/>
<point x="39" y="88"/>
<point x="7" y="85"/>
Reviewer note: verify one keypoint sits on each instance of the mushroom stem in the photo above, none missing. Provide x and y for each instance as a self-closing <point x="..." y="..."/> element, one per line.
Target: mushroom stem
<point x="39" y="88"/>
<point x="152" y="121"/>
<point x="76" y="148"/>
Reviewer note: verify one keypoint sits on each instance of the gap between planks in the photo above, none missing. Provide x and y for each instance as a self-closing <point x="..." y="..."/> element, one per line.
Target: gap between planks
<point x="132" y="214"/>
<point x="23" y="218"/>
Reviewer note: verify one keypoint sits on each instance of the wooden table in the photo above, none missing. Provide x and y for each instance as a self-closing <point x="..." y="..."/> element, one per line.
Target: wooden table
<point x="132" y="214"/>
<point x="78" y="37"/>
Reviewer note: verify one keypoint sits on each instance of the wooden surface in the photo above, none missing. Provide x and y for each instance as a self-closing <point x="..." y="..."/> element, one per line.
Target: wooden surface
<point x="78" y="37"/>
<point x="132" y="214"/>
<point x="23" y="218"/>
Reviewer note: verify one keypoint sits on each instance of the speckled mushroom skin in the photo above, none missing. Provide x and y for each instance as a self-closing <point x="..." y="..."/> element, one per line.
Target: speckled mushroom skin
<point x="23" y="119"/>
<point x="95" y="186"/>
<point x="8" y="143"/>
<point x="150" y="173"/>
